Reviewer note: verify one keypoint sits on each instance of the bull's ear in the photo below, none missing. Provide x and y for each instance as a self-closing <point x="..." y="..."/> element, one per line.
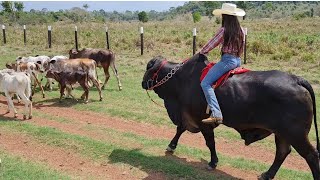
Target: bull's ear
<point x="202" y="57"/>
<point x="19" y="58"/>
<point x="38" y="62"/>
<point x="36" y="55"/>
<point x="52" y="61"/>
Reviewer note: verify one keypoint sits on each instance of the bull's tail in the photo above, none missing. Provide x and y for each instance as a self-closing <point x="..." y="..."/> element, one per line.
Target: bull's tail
<point x="306" y="85"/>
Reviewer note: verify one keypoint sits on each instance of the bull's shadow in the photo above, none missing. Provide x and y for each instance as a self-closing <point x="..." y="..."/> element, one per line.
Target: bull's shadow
<point x="169" y="165"/>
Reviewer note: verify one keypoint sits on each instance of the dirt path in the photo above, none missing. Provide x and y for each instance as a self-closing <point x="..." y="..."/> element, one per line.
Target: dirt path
<point x="229" y="148"/>
<point x="60" y="159"/>
<point x="232" y="149"/>
<point x="78" y="166"/>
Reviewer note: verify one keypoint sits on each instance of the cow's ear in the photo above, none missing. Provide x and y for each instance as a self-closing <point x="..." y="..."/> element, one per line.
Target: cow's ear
<point x="39" y="62"/>
<point x="36" y="55"/>
<point x="52" y="61"/>
<point x="19" y="58"/>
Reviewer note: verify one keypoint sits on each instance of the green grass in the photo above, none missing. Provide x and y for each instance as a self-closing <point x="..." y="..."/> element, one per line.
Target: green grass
<point x="18" y="168"/>
<point x="146" y="158"/>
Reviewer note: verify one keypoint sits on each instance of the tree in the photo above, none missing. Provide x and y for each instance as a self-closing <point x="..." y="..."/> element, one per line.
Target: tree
<point x="196" y="17"/>
<point x="18" y="6"/>
<point x="85" y="6"/>
<point x="7" y="6"/>
<point x="143" y="17"/>
<point x="245" y="6"/>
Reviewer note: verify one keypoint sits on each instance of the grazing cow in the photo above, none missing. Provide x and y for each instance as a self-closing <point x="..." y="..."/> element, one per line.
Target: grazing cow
<point x="256" y="104"/>
<point x="41" y="60"/>
<point x="73" y="65"/>
<point x="70" y="78"/>
<point x="17" y="83"/>
<point x="104" y="59"/>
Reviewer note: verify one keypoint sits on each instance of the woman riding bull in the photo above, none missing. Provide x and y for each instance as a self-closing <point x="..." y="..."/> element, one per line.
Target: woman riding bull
<point x="231" y="38"/>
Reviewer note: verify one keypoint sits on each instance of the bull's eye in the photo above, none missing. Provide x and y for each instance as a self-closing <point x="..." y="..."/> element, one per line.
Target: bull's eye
<point x="150" y="64"/>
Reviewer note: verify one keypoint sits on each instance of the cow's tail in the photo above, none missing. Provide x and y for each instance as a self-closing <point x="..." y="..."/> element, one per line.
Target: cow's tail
<point x="306" y="85"/>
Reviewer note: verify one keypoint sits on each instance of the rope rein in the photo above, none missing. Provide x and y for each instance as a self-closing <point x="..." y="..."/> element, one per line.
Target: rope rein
<point x="165" y="79"/>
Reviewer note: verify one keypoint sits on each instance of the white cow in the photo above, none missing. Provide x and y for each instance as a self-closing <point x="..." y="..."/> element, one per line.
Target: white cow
<point x="17" y="83"/>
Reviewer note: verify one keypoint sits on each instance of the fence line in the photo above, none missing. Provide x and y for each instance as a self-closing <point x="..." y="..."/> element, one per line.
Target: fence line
<point x="4" y="34"/>
<point x="194" y="36"/>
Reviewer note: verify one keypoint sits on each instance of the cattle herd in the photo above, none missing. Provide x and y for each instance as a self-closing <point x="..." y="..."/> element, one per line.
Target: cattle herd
<point x="80" y="67"/>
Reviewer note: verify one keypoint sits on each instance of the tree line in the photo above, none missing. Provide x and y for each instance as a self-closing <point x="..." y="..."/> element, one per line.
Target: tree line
<point x="13" y="12"/>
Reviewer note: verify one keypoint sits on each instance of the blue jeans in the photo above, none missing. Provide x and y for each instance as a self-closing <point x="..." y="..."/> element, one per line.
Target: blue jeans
<point x="227" y="63"/>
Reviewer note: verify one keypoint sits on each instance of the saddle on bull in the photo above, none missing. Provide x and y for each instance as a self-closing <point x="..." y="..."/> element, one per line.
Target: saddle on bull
<point x="256" y="104"/>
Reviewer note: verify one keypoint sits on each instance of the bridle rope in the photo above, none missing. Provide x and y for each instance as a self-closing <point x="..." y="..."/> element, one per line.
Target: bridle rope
<point x="165" y="78"/>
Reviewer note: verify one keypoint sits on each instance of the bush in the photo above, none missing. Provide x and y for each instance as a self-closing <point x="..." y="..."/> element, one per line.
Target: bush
<point x="196" y="17"/>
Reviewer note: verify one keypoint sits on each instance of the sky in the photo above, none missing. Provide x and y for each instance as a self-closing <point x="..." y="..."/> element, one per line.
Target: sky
<point x="119" y="6"/>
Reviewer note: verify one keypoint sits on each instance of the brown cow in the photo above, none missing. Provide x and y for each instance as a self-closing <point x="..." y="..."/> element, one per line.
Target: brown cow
<point x="70" y="78"/>
<point x="73" y="65"/>
<point x="103" y="57"/>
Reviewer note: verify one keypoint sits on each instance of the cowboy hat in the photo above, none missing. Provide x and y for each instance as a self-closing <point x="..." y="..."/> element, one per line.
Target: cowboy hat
<point x="230" y="9"/>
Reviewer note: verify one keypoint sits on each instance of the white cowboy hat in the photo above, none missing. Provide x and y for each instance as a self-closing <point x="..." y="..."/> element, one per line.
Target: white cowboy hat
<point x="230" y="9"/>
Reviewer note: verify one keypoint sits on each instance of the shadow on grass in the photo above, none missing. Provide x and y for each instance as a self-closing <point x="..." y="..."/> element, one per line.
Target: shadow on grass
<point x="169" y="166"/>
<point x="66" y="102"/>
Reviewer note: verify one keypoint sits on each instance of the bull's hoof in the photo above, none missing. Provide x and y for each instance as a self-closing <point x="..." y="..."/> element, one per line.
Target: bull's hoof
<point x="169" y="149"/>
<point x="15" y="116"/>
<point x="86" y="102"/>
<point x="264" y="176"/>
<point x="24" y="117"/>
<point x="103" y="87"/>
<point x="43" y="96"/>
<point x="100" y="99"/>
<point x="120" y="88"/>
<point x="30" y="117"/>
<point x="211" y="166"/>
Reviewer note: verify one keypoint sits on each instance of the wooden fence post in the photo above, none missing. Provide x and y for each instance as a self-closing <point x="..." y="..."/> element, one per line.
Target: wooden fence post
<point x="194" y="32"/>
<point x="49" y="36"/>
<point x="24" y="35"/>
<point x="245" y="45"/>
<point x="141" y="36"/>
<point x="4" y="34"/>
<point x="107" y="38"/>
<point x="76" y="37"/>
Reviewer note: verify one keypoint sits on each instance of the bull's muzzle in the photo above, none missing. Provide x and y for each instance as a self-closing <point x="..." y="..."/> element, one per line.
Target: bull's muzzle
<point x="144" y="85"/>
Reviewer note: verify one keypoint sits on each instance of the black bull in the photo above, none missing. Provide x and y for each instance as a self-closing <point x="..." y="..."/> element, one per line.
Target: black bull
<point x="256" y="104"/>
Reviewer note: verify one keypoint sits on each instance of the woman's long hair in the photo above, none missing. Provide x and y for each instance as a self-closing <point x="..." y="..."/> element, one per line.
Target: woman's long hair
<point x="233" y="34"/>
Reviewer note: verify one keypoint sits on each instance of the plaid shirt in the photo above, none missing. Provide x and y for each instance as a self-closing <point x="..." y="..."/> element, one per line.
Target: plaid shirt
<point x="217" y="40"/>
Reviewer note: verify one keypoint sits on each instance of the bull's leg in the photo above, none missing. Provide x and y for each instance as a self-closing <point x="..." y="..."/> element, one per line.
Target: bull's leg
<point x="107" y="74"/>
<point x="208" y="134"/>
<point x="27" y="105"/>
<point x="10" y="103"/>
<point x="309" y="153"/>
<point x="115" y="71"/>
<point x="282" y="151"/>
<point x="174" y="142"/>
<point x="96" y="83"/>
<point x="62" y="87"/>
<point x="39" y="84"/>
